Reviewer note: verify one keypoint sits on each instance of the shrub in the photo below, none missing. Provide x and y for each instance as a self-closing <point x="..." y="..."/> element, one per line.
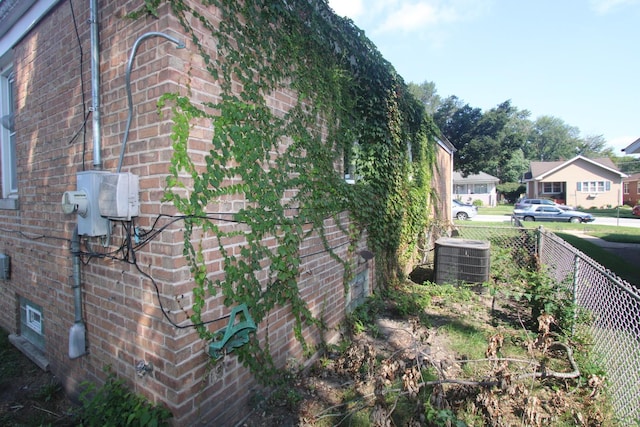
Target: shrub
<point x="113" y="405"/>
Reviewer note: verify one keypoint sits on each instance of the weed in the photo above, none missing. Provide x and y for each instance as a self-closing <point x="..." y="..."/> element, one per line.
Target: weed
<point x="114" y="405"/>
<point x="49" y="391"/>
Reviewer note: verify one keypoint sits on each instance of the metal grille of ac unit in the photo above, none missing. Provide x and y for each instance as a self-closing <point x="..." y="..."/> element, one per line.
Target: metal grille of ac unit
<point x="462" y="260"/>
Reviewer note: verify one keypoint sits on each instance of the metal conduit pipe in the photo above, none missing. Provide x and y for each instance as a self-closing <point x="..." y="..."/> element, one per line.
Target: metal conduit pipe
<point x="95" y="85"/>
<point x="140" y="39"/>
<point x="77" y="333"/>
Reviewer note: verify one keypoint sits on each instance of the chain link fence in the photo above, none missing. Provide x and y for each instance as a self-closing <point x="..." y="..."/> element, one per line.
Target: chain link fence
<point x="611" y="304"/>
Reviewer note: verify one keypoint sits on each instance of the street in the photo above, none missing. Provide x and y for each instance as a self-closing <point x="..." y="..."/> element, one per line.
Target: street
<point x="623" y="222"/>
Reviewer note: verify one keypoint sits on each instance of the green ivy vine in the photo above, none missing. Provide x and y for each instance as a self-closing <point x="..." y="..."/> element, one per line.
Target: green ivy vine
<point x="346" y="92"/>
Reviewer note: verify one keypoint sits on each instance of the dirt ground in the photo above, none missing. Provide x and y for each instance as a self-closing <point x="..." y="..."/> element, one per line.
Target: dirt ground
<point x="30" y="396"/>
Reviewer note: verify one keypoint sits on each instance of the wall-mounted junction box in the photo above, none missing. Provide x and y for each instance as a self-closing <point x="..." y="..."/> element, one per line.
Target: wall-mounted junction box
<point x="5" y="267"/>
<point x="119" y="196"/>
<point x="100" y="197"/>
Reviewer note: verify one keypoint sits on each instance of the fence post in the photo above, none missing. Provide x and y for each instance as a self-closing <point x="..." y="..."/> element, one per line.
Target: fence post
<point x="576" y="271"/>
<point x="539" y="243"/>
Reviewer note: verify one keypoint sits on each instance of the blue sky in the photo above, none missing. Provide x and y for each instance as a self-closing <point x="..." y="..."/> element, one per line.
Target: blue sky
<point x="578" y="60"/>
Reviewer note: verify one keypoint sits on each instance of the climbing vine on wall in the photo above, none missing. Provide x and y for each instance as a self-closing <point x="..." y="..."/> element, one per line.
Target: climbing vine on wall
<point x="284" y="166"/>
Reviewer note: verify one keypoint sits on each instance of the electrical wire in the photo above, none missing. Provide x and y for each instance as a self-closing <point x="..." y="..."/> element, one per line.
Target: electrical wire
<point x="84" y="105"/>
<point x="34" y="236"/>
<point x="126" y="253"/>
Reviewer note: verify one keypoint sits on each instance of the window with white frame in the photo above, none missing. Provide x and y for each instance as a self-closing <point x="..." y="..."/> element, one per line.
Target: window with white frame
<point x="8" y="132"/>
<point x="32" y="322"/>
<point x="480" y="188"/>
<point x="638" y="189"/>
<point x="552" y="187"/>
<point x="625" y="187"/>
<point x="593" y="187"/>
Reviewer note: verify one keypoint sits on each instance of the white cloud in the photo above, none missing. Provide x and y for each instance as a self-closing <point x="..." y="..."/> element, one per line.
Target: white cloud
<point x="349" y="8"/>
<point x="418" y="15"/>
<point x="605" y="6"/>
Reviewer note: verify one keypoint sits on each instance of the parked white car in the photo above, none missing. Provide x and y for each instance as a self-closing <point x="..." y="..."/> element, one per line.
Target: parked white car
<point x="527" y="203"/>
<point x="462" y="210"/>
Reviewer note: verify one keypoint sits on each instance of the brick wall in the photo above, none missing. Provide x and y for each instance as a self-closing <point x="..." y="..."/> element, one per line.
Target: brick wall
<point x="122" y="311"/>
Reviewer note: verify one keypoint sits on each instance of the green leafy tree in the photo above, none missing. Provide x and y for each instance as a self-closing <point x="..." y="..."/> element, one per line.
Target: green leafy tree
<point x="594" y="146"/>
<point x="552" y="139"/>
<point x="427" y="94"/>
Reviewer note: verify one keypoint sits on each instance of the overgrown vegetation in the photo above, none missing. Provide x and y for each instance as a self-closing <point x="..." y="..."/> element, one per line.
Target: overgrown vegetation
<point x="454" y="355"/>
<point x="114" y="405"/>
<point x="350" y="108"/>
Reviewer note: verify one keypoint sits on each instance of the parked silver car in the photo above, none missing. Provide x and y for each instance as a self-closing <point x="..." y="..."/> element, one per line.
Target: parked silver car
<point x="525" y="203"/>
<point x="551" y="213"/>
<point x="462" y="210"/>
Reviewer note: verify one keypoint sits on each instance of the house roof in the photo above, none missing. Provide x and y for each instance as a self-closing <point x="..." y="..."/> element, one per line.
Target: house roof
<point x="474" y="178"/>
<point x="633" y="148"/>
<point x="539" y="170"/>
<point x="446" y="144"/>
<point x="633" y="177"/>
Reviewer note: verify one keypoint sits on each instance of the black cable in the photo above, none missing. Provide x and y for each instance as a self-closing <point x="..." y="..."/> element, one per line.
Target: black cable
<point x="34" y="237"/>
<point x="128" y="251"/>
<point x="84" y="106"/>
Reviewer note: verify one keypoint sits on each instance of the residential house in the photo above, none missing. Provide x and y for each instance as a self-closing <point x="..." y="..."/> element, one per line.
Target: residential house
<point x="475" y="187"/>
<point x="94" y="273"/>
<point x="580" y="182"/>
<point x="631" y="190"/>
<point x="633" y="148"/>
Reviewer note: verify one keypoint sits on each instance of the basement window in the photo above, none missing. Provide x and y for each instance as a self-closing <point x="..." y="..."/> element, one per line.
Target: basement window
<point x="32" y="323"/>
<point x="358" y="290"/>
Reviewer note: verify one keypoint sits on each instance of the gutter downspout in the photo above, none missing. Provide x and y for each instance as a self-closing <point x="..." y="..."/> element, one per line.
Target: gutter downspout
<point x="95" y="85"/>
<point x="77" y="333"/>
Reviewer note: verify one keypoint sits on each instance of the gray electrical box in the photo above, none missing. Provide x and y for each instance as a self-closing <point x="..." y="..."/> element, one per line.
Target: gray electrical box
<point x="5" y="267"/>
<point x="92" y="223"/>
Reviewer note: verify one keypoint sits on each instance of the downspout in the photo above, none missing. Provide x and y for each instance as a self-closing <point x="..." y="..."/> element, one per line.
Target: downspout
<point x="95" y="85"/>
<point x="77" y="333"/>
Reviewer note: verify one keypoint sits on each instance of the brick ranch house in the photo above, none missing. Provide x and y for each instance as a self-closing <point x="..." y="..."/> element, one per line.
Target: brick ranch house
<point x="76" y="295"/>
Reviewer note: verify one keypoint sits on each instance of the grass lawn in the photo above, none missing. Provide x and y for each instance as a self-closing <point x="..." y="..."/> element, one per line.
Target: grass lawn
<point x="611" y="261"/>
<point x="606" y="232"/>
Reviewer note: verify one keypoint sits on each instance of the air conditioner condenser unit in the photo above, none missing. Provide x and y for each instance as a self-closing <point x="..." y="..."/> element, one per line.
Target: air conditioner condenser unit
<point x="462" y="261"/>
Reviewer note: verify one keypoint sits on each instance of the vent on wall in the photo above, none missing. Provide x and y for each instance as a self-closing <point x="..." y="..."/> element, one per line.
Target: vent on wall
<point x="462" y="260"/>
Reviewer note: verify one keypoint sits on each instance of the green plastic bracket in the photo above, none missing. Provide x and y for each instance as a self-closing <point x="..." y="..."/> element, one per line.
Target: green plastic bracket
<point x="235" y="335"/>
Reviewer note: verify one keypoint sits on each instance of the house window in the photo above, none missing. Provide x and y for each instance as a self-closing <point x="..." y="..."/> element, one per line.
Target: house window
<point x="638" y="189"/>
<point x="460" y="189"/>
<point x="358" y="290"/>
<point x="32" y="322"/>
<point x="8" y="133"/>
<point x="552" y="187"/>
<point x="594" y="186"/>
<point x="351" y="156"/>
<point x="480" y="189"/>
<point x="625" y="187"/>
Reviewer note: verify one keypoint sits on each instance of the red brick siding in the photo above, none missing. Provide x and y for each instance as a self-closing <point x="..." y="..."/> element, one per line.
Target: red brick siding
<point x="123" y="319"/>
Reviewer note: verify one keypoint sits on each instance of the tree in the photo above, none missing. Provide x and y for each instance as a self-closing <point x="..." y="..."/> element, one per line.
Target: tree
<point x="426" y="93"/>
<point x="594" y="146"/>
<point x="488" y="142"/>
<point x="552" y="139"/>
